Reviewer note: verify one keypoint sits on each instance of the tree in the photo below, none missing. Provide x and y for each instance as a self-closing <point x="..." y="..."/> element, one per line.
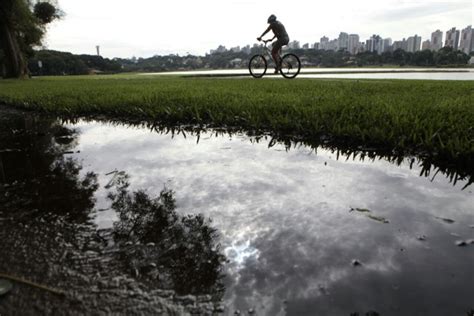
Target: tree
<point x="400" y="57"/>
<point x="423" y="58"/>
<point x="22" y="26"/>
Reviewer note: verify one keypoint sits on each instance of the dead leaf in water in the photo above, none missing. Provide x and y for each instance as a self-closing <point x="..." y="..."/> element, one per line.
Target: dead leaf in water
<point x="361" y="210"/>
<point x="446" y="220"/>
<point x="378" y="218"/>
<point x="371" y="216"/>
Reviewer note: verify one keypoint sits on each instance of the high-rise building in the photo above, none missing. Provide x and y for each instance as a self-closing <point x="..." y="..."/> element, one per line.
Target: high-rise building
<point x="413" y="43"/>
<point x="400" y="45"/>
<point x="467" y="40"/>
<point x="436" y="40"/>
<point x="452" y="38"/>
<point x="323" y="43"/>
<point x="343" y="41"/>
<point x="426" y="45"/>
<point x="386" y="45"/>
<point x="316" y="46"/>
<point x="353" y="44"/>
<point x="374" y="44"/>
<point x="332" y="44"/>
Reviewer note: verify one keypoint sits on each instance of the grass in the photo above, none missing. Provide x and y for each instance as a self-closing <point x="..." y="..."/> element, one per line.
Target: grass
<point x="434" y="118"/>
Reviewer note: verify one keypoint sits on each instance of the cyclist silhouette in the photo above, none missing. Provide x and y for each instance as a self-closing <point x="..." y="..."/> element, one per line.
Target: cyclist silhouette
<point x="282" y="39"/>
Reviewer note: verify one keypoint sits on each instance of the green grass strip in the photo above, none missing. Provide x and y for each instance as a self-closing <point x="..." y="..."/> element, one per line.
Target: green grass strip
<point x="435" y="117"/>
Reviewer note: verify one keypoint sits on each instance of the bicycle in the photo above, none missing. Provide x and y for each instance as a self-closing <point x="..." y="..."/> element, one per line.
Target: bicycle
<point x="290" y="64"/>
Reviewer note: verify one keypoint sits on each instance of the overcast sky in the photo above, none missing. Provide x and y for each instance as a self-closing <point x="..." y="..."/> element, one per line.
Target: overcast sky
<point x="144" y="28"/>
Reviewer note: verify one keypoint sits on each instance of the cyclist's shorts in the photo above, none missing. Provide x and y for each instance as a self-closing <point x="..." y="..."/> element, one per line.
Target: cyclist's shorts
<point x="280" y="42"/>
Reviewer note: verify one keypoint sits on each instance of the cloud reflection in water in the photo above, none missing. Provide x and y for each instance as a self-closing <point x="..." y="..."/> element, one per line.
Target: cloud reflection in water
<point x="285" y="222"/>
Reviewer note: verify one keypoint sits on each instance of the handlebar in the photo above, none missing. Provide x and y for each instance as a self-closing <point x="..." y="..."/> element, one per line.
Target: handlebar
<point x="265" y="41"/>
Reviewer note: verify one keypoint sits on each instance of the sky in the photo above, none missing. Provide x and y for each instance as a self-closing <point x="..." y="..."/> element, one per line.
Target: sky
<point x="144" y="28"/>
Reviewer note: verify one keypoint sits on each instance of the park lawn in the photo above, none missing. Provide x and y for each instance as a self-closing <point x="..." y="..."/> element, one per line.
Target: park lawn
<point x="433" y="118"/>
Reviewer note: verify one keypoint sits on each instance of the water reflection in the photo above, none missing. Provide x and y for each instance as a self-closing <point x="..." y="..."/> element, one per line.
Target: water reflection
<point x="37" y="175"/>
<point x="286" y="224"/>
<point x="429" y="166"/>
<point x="47" y="206"/>
<point x="180" y="251"/>
<point x="284" y="219"/>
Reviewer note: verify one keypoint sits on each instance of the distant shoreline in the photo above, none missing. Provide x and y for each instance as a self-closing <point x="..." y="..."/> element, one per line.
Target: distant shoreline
<point x="243" y="72"/>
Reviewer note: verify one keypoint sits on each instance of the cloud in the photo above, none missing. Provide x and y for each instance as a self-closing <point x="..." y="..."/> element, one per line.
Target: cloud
<point x="418" y="10"/>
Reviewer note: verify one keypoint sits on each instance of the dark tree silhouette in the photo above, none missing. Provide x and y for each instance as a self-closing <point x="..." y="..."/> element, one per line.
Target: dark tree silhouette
<point x="153" y="236"/>
<point x="22" y="26"/>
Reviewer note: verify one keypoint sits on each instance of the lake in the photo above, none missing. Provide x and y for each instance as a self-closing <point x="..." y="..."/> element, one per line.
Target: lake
<point x="305" y="231"/>
<point x="348" y="73"/>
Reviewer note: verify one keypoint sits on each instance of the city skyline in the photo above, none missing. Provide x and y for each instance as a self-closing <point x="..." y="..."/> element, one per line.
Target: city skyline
<point x="459" y="39"/>
<point x="145" y="29"/>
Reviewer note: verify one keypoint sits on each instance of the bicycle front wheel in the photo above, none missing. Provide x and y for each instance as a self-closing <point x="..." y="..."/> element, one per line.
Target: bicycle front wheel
<point x="258" y="66"/>
<point x="290" y="66"/>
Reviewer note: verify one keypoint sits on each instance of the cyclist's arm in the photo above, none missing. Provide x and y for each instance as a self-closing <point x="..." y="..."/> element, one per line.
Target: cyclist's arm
<point x="266" y="31"/>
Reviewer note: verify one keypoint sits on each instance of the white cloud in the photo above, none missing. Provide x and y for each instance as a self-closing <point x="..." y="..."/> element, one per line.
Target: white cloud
<point x="144" y="28"/>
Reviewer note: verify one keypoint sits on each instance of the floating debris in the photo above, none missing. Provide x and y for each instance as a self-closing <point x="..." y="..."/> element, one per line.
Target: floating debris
<point x="371" y="216"/>
<point x="111" y="172"/>
<point x="379" y="219"/>
<point x="362" y="210"/>
<point x="5" y="285"/>
<point x="446" y="220"/>
<point x="356" y="263"/>
<point x="118" y="176"/>
<point x="421" y="237"/>
<point x="461" y="243"/>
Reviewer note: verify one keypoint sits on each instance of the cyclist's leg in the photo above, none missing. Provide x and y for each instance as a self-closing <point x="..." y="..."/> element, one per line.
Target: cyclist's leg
<point x="276" y="54"/>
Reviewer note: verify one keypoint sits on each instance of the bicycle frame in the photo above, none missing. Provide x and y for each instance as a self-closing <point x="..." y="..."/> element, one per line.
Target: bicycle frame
<point x="289" y="64"/>
<point x="268" y="51"/>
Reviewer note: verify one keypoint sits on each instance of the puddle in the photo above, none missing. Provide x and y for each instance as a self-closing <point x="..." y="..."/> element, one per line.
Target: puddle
<point x="303" y="230"/>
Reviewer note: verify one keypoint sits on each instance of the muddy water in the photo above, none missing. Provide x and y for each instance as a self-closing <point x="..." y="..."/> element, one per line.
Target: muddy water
<point x="304" y="231"/>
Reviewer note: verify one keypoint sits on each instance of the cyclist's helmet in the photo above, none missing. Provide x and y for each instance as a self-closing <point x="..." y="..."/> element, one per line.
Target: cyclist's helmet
<point x="272" y="18"/>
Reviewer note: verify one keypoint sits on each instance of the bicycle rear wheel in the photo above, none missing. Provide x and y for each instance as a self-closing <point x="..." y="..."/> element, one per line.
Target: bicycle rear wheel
<point x="258" y="66"/>
<point x="290" y="66"/>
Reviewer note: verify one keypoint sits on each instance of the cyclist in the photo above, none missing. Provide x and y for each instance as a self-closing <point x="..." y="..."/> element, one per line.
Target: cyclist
<point x="281" y="36"/>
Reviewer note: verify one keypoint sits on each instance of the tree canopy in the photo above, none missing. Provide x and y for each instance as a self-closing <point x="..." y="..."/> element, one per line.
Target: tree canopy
<point x="22" y="27"/>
